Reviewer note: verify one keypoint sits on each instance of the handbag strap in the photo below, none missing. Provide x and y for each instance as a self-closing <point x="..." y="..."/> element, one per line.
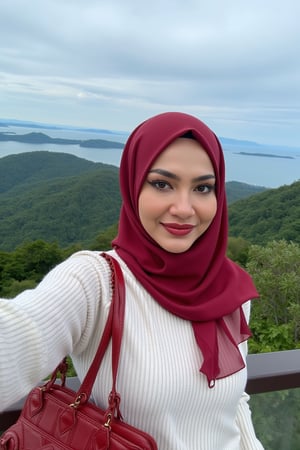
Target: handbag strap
<point x="113" y="329"/>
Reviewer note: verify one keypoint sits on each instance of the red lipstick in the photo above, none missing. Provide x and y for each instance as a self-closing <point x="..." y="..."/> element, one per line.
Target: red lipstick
<point x="178" y="229"/>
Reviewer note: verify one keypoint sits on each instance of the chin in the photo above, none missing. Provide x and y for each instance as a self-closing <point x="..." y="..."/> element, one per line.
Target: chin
<point x="176" y="249"/>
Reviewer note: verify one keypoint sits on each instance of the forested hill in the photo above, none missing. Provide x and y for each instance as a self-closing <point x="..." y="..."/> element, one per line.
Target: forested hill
<point x="60" y="197"/>
<point x="28" y="168"/>
<point x="55" y="197"/>
<point x="267" y="216"/>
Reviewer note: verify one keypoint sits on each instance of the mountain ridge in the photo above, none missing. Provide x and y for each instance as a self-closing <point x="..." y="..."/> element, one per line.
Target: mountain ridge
<point x="64" y="198"/>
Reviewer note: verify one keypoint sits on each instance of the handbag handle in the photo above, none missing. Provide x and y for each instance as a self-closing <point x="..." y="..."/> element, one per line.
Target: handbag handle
<point x="113" y="329"/>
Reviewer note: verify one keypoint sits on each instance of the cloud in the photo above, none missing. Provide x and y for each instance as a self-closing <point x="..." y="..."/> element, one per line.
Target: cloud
<point x="111" y="64"/>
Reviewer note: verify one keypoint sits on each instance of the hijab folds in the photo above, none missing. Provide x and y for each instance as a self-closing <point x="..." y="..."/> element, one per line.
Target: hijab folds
<point x="201" y="284"/>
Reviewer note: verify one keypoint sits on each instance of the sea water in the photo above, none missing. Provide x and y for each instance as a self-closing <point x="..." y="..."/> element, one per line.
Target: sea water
<point x="248" y="168"/>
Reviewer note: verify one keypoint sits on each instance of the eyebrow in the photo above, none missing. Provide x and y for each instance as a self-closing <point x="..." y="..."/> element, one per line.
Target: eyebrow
<point x="173" y="176"/>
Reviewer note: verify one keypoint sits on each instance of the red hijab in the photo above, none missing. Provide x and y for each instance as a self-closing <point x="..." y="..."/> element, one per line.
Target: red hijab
<point x="201" y="284"/>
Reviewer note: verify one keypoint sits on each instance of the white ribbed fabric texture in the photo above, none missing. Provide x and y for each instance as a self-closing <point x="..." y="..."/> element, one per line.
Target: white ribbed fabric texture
<point x="162" y="390"/>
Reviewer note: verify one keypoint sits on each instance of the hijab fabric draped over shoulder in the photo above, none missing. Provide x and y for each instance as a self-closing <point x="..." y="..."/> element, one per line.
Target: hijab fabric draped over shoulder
<point x="200" y="285"/>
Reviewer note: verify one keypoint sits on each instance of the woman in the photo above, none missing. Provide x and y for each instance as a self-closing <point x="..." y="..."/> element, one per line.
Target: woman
<point x="182" y="369"/>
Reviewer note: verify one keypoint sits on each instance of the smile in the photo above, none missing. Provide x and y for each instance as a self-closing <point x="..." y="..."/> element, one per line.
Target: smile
<point x="178" y="229"/>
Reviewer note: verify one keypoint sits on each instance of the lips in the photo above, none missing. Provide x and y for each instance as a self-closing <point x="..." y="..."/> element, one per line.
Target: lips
<point x="178" y="229"/>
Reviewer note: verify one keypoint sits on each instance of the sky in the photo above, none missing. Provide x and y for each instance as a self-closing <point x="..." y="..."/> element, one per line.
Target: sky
<point x="113" y="63"/>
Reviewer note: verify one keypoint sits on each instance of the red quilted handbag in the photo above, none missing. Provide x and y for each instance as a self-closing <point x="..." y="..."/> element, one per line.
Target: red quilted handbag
<point x="56" y="418"/>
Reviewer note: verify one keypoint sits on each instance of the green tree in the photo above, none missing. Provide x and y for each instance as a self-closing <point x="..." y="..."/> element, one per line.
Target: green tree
<point x="5" y="258"/>
<point x="238" y="249"/>
<point x="103" y="240"/>
<point x="32" y="260"/>
<point x="267" y="216"/>
<point x="275" y="320"/>
<point x="14" y="287"/>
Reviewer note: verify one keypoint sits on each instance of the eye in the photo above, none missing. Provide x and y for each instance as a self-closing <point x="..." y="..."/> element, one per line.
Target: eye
<point x="160" y="185"/>
<point x="205" y="188"/>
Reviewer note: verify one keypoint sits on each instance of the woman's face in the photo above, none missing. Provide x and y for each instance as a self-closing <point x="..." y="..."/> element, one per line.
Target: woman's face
<point x="177" y="202"/>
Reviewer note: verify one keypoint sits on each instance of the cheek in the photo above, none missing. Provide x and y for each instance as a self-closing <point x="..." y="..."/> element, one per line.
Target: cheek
<point x="146" y="207"/>
<point x="150" y="208"/>
<point x="210" y="210"/>
<point x="214" y="207"/>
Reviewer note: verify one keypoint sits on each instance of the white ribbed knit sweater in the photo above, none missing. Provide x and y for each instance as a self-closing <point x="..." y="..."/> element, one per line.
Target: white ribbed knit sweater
<point x="162" y="390"/>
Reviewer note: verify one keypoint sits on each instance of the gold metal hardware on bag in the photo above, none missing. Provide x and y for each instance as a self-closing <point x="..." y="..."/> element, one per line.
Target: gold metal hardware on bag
<point x="107" y="423"/>
<point x="77" y="401"/>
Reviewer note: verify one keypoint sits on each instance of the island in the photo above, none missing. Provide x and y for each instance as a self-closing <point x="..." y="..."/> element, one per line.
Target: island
<point x="41" y="138"/>
<point x="266" y="155"/>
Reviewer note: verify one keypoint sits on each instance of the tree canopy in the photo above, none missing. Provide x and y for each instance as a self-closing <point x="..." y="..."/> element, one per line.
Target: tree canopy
<point x="267" y="216"/>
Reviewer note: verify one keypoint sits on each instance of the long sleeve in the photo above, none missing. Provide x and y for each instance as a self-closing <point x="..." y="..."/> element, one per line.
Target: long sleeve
<point x="249" y="440"/>
<point x="41" y="326"/>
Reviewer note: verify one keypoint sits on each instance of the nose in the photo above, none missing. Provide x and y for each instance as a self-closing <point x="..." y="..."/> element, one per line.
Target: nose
<point x="182" y="206"/>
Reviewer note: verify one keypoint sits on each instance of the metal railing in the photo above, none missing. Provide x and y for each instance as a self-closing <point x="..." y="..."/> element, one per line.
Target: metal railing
<point x="267" y="372"/>
<point x="275" y="371"/>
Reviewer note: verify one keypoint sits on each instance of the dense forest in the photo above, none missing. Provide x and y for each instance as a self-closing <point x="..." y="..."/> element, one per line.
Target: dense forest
<point x="55" y="197"/>
<point x="60" y="197"/>
<point x="273" y="214"/>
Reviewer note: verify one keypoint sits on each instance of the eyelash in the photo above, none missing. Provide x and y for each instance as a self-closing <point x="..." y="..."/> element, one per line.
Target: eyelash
<point x="157" y="184"/>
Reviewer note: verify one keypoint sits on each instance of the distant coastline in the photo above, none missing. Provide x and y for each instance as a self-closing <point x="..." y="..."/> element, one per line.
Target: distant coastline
<point x="42" y="138"/>
<point x="266" y="155"/>
<point x="47" y="126"/>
